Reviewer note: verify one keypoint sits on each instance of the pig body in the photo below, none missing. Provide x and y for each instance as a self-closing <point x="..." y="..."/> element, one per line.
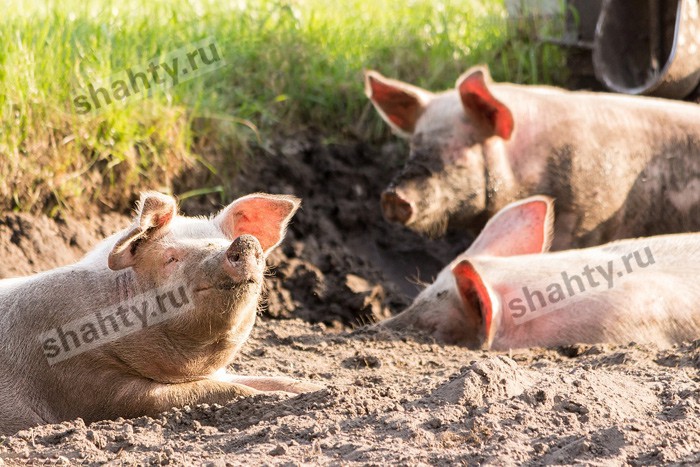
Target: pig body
<point x="207" y="272"/>
<point x="617" y="166"/>
<point x="502" y="294"/>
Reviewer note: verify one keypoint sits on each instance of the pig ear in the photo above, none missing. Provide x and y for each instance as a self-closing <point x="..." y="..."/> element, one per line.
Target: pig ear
<point x="261" y="215"/>
<point x="154" y="212"/>
<point x="521" y="228"/>
<point x="478" y="100"/>
<point x="476" y="299"/>
<point x="399" y="104"/>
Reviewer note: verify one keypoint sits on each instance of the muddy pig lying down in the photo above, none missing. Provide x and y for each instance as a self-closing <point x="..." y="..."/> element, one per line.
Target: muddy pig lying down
<point x="147" y="321"/>
<point x="503" y="292"/>
<point x="618" y="166"/>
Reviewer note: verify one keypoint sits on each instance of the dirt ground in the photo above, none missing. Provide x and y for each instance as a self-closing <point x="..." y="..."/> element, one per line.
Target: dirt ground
<point x="389" y="398"/>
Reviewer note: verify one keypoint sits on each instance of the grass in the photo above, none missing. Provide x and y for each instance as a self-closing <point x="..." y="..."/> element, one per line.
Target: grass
<point x="289" y="65"/>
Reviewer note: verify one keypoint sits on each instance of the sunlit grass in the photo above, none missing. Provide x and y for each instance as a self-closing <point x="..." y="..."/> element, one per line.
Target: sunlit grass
<point x="289" y="65"/>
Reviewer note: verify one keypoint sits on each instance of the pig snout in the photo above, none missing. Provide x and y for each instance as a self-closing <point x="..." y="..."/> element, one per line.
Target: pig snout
<point x="395" y="207"/>
<point x="244" y="260"/>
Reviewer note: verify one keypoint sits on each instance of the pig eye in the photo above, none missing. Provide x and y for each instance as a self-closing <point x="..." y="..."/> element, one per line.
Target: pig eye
<point x="172" y="259"/>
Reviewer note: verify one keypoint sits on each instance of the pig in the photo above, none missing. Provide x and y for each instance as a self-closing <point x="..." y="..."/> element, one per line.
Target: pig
<point x="88" y="340"/>
<point x="506" y="291"/>
<point x="618" y="166"/>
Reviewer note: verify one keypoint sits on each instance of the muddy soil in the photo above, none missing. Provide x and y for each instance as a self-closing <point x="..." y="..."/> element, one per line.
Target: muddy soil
<point x="389" y="398"/>
<point x="411" y="402"/>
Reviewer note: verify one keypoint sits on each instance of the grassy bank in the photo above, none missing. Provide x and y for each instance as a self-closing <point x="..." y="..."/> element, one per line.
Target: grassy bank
<point x="287" y="65"/>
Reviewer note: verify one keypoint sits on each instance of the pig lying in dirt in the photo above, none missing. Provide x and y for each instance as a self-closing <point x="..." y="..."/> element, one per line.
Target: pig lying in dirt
<point x="147" y="321"/>
<point x="617" y="166"/>
<point x="502" y="293"/>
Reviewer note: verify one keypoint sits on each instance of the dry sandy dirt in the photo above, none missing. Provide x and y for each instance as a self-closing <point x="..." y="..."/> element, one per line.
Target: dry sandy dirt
<point x="389" y="398"/>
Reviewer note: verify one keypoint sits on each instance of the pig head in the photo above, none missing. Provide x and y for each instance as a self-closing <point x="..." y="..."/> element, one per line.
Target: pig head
<point x="457" y="308"/>
<point x="90" y="340"/>
<point x="604" y="158"/>
<point x="506" y="291"/>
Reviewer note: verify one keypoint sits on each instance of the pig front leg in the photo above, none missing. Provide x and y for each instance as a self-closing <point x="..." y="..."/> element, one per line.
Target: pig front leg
<point x="162" y="397"/>
<point x="19" y="417"/>
<point x="136" y="400"/>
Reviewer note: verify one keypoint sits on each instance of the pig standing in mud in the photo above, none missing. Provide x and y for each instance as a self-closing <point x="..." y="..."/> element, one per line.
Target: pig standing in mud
<point x="503" y="293"/>
<point x="617" y="166"/>
<point x="147" y="321"/>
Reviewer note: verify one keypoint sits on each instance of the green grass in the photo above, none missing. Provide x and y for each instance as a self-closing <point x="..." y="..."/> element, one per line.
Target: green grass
<point x="289" y="65"/>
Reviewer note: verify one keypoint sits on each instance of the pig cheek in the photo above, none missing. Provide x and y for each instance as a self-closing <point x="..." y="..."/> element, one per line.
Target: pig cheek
<point x="456" y="329"/>
<point x="429" y="197"/>
<point x="466" y="187"/>
<point x="149" y="275"/>
<point x="442" y="319"/>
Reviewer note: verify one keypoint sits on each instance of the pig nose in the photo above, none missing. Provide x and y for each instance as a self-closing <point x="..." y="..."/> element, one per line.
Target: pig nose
<point x="396" y="208"/>
<point x="244" y="259"/>
<point x="243" y="247"/>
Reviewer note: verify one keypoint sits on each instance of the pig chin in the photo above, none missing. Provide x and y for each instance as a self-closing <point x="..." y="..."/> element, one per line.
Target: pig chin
<point x="228" y="296"/>
<point x="226" y="310"/>
<point x="432" y="226"/>
<point x="456" y="222"/>
<point x="438" y="215"/>
<point x="436" y="223"/>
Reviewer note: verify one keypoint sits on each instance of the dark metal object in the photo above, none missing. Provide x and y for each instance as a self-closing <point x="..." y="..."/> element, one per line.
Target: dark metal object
<point x="650" y="47"/>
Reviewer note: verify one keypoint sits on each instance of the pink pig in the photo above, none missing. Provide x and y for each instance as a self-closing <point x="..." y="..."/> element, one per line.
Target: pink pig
<point x="147" y="321"/>
<point x="504" y="292"/>
<point x="618" y="166"/>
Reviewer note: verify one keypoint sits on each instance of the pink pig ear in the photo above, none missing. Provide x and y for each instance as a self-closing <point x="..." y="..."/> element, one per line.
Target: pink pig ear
<point x="478" y="100"/>
<point x="154" y="212"/>
<point x="261" y="215"/>
<point x="476" y="299"/>
<point x="399" y="104"/>
<point x="520" y="228"/>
